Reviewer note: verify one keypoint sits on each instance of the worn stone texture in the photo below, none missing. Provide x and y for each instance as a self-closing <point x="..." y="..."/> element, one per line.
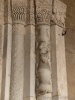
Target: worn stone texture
<point x="70" y="45"/>
<point x="29" y="76"/>
<point x="59" y="77"/>
<point x="43" y="58"/>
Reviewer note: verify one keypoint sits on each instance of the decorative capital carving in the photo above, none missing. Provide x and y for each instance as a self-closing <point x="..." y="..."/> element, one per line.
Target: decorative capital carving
<point x="30" y="16"/>
<point x="18" y="11"/>
<point x="43" y="11"/>
<point x="18" y="14"/>
<point x="59" y="13"/>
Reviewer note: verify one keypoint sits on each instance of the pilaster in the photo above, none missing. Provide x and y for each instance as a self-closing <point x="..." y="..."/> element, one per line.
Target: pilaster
<point x="59" y="74"/>
<point x="29" y="89"/>
<point x="17" y="57"/>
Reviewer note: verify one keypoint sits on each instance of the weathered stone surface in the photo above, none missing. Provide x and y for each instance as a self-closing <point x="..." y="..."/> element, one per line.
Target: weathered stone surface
<point x="30" y="12"/>
<point x="17" y="57"/>
<point x="43" y="11"/>
<point x="43" y="54"/>
<point x="7" y="62"/>
<point x="59" y="13"/>
<point x="59" y="76"/>
<point x="29" y="76"/>
<point x="45" y="19"/>
<point x="70" y="47"/>
<point x="43" y="61"/>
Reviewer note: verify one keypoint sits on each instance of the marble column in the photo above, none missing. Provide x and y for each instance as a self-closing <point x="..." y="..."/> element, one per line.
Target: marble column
<point x="17" y="57"/>
<point x="59" y="74"/>
<point x="43" y="54"/>
<point x="29" y="76"/>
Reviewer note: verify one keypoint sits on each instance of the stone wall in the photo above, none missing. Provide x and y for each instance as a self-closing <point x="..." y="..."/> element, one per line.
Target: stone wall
<point x="70" y="47"/>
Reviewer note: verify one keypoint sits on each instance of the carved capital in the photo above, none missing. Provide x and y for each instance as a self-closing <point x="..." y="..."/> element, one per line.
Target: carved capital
<point x="43" y="11"/>
<point x="18" y="14"/>
<point x="18" y="11"/>
<point x="59" y="13"/>
<point x="30" y="16"/>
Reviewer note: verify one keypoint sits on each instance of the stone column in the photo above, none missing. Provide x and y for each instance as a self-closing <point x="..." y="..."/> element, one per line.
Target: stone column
<point x="43" y="56"/>
<point x="59" y="74"/>
<point x="17" y="57"/>
<point x="29" y="83"/>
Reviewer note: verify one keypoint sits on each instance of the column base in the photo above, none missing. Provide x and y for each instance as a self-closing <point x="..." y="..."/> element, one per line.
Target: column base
<point x="60" y="98"/>
<point x="45" y="97"/>
<point x="29" y="98"/>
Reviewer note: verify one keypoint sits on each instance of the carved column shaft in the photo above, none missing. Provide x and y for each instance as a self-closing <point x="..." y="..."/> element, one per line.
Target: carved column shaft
<point x="43" y="61"/>
<point x="17" y="58"/>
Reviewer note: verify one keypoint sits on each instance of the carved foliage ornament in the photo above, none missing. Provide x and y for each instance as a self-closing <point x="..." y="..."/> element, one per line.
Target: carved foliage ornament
<point x="59" y="13"/>
<point x="43" y="11"/>
<point x="43" y="16"/>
